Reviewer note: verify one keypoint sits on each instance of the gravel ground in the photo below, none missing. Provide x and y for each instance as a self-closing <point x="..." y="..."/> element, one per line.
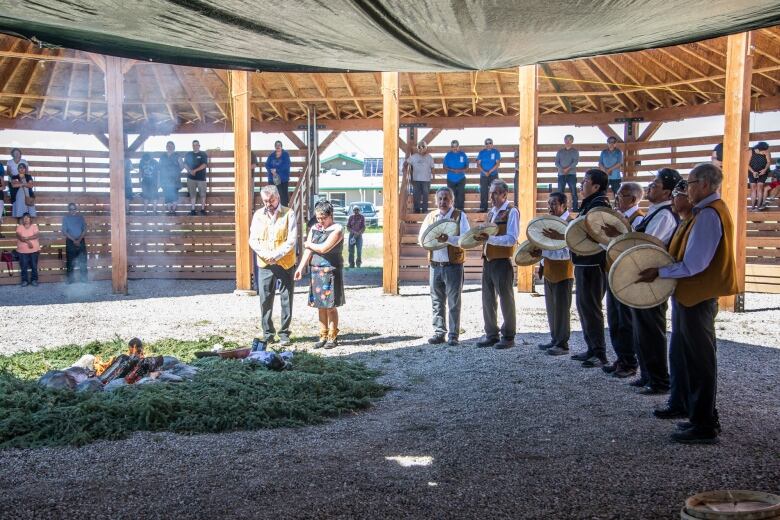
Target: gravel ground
<point x="479" y="433"/>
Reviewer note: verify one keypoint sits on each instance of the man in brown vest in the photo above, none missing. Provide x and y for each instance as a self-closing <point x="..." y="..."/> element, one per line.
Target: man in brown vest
<point x="497" y="270"/>
<point x="705" y="269"/>
<point x="446" y="270"/>
<point x="558" y="273"/>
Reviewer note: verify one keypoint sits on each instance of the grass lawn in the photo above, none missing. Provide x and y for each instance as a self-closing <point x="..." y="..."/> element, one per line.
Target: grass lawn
<point x="226" y="395"/>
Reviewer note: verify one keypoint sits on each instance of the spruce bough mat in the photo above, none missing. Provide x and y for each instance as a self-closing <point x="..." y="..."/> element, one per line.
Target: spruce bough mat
<point x="226" y="395"/>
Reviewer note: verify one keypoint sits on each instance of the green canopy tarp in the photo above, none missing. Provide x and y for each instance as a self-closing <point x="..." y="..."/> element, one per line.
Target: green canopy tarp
<point x="402" y="35"/>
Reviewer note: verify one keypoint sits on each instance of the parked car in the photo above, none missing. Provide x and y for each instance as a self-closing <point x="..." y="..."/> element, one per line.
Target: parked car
<point x="368" y="211"/>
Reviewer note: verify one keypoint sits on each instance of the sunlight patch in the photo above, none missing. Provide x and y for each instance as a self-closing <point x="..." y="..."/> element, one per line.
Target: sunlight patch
<point x="407" y="461"/>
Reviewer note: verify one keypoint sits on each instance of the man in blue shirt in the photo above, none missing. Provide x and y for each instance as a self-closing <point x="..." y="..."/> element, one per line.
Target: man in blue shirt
<point x="456" y="162"/>
<point x="488" y="161"/>
<point x="610" y="161"/>
<point x="74" y="227"/>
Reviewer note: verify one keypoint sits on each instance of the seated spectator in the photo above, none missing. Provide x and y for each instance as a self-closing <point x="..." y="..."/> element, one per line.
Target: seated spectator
<point x="150" y="181"/>
<point x="22" y="193"/>
<point x="28" y="248"/>
<point x="74" y="227"/>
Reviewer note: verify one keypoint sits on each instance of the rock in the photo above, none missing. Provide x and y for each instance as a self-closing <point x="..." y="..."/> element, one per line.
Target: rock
<point x="114" y="384"/>
<point x="169" y="362"/>
<point x="184" y="370"/>
<point x="79" y="374"/>
<point x="86" y="361"/>
<point x="168" y="377"/>
<point x="57" y="380"/>
<point x="92" y="384"/>
<point x="147" y="380"/>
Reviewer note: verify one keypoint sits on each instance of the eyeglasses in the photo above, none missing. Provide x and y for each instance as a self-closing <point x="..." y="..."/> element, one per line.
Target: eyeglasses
<point x="693" y="182"/>
<point x="488" y="142"/>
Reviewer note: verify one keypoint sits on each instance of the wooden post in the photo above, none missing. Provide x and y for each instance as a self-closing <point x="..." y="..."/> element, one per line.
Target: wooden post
<point x="242" y="123"/>
<point x="739" y="71"/>
<point x="116" y="153"/>
<point x="526" y="188"/>
<point x="390" y="122"/>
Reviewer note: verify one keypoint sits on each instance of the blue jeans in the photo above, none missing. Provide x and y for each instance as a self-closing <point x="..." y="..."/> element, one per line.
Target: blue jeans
<point x="571" y="181"/>
<point x="357" y="245"/>
<point x="446" y="286"/>
<point x="29" y="262"/>
<point x="614" y="185"/>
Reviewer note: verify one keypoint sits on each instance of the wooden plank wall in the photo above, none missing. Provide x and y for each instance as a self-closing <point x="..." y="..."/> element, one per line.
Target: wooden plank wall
<point x="159" y="246"/>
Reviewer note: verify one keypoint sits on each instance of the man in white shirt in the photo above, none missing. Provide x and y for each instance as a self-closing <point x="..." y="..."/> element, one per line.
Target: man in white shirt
<point x="446" y="269"/>
<point x="422" y="165"/>
<point x="272" y="237"/>
<point x="497" y="270"/>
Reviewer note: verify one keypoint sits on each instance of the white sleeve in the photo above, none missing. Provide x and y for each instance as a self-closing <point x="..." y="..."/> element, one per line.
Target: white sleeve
<point x="512" y="231"/>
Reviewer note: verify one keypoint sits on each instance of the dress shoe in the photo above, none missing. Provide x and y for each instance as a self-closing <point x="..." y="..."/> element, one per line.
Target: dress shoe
<point x="682" y="426"/>
<point x="594" y="362"/>
<point x="560" y="350"/>
<point x="653" y="390"/>
<point x="624" y="372"/>
<point x="639" y="383"/>
<point x="436" y="339"/>
<point x="486" y="342"/>
<point x="453" y="342"/>
<point x="611" y="369"/>
<point x="582" y="356"/>
<point x="505" y="343"/>
<point x="696" y="435"/>
<point x="669" y="413"/>
<point x="546" y="346"/>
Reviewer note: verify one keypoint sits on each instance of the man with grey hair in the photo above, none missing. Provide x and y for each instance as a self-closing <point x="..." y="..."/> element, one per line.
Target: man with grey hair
<point x="497" y="270"/>
<point x="566" y="162"/>
<point x="446" y="269"/>
<point x="272" y="237"/>
<point x="705" y="269"/>
<point x="422" y="166"/>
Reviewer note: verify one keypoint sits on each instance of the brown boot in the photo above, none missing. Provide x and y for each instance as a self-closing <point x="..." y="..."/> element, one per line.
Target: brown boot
<point x="332" y="339"/>
<point x="323" y="337"/>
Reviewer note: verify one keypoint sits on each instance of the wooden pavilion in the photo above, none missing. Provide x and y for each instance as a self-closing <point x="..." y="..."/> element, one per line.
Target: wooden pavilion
<point x="56" y="89"/>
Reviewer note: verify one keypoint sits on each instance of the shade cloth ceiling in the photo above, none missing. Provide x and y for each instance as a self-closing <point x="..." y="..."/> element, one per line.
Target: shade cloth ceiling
<point x="396" y="35"/>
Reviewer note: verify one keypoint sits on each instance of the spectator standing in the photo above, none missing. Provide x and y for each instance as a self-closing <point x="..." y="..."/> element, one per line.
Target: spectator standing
<point x="356" y="225"/>
<point x="149" y="170"/>
<point x="488" y="161"/>
<point x="456" y="162"/>
<point x="758" y="172"/>
<point x="170" y="177"/>
<point x="422" y="166"/>
<point x="74" y="227"/>
<point x="196" y="163"/>
<point x="611" y="161"/>
<point x="22" y="193"/>
<point x="717" y="155"/>
<point x="278" y="167"/>
<point x="28" y="247"/>
<point x="2" y="197"/>
<point x="566" y="161"/>
<point x="12" y="166"/>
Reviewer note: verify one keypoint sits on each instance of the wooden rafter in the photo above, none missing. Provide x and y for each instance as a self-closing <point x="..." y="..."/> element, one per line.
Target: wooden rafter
<point x="205" y="84"/>
<point x="259" y="84"/>
<point x="328" y="141"/>
<point x="413" y="91"/>
<point x="574" y="72"/>
<point x="322" y="88"/>
<point x="671" y="72"/>
<point x="359" y="104"/>
<point x="630" y="75"/>
<point x="46" y="84"/>
<point x="27" y="80"/>
<point x="609" y="81"/>
<point x="296" y="141"/>
<point x="650" y="131"/>
<point x="163" y="95"/>
<point x="499" y="89"/>
<point x="722" y="54"/>
<point x="565" y="103"/>
<point x="293" y="89"/>
<point x="188" y="91"/>
<point x="474" y="94"/>
<point x="139" y="81"/>
<point x="440" y="86"/>
<point x="8" y="73"/>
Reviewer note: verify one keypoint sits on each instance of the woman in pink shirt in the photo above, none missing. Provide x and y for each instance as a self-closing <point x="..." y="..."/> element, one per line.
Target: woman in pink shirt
<point x="28" y="247"/>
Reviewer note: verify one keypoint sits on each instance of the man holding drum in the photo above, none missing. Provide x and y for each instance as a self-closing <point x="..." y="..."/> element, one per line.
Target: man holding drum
<point x="705" y="269"/>
<point x="621" y="330"/>
<point x="558" y="273"/>
<point x="497" y="270"/>
<point x="446" y="269"/>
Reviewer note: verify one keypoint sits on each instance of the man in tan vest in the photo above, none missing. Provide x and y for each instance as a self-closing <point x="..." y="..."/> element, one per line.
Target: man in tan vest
<point x="558" y="273"/>
<point x="497" y="270"/>
<point x="705" y="269"/>
<point x="446" y="270"/>
<point x="272" y="237"/>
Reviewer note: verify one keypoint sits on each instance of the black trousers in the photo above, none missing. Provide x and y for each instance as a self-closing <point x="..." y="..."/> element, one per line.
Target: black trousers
<point x="284" y="193"/>
<point x="621" y="331"/>
<point x="76" y="254"/>
<point x="484" y="188"/>
<point x="650" y="340"/>
<point x="266" y="289"/>
<point x="459" y="189"/>
<point x="591" y="285"/>
<point x="694" y="335"/>
<point x="498" y="282"/>
<point x="557" y="300"/>
<point x="420" y="195"/>
<point x="678" y="384"/>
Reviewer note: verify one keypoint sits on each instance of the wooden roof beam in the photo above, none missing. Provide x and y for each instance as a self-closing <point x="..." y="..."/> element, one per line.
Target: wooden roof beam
<point x="332" y="136"/>
<point x="576" y="74"/>
<point x="722" y="54"/>
<point x="440" y="86"/>
<point x="474" y="94"/>
<point x="359" y="104"/>
<point x="413" y="91"/>
<point x="609" y="81"/>
<point x="26" y="83"/>
<point x="204" y="81"/>
<point x="604" y="81"/>
<point x="500" y="90"/>
<point x="322" y="88"/>
<point x="674" y="74"/>
<point x="293" y="89"/>
<point x="141" y="94"/>
<point x="565" y="103"/>
<point x="10" y="71"/>
<point x="650" y="131"/>
<point x="259" y="84"/>
<point x="47" y="84"/>
<point x="163" y="96"/>
<point x="627" y="73"/>
<point x="188" y="91"/>
<point x="296" y="141"/>
<point x="89" y="94"/>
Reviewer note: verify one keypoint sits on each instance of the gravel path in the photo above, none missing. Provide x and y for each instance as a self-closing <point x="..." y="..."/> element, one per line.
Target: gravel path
<point x="479" y="433"/>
